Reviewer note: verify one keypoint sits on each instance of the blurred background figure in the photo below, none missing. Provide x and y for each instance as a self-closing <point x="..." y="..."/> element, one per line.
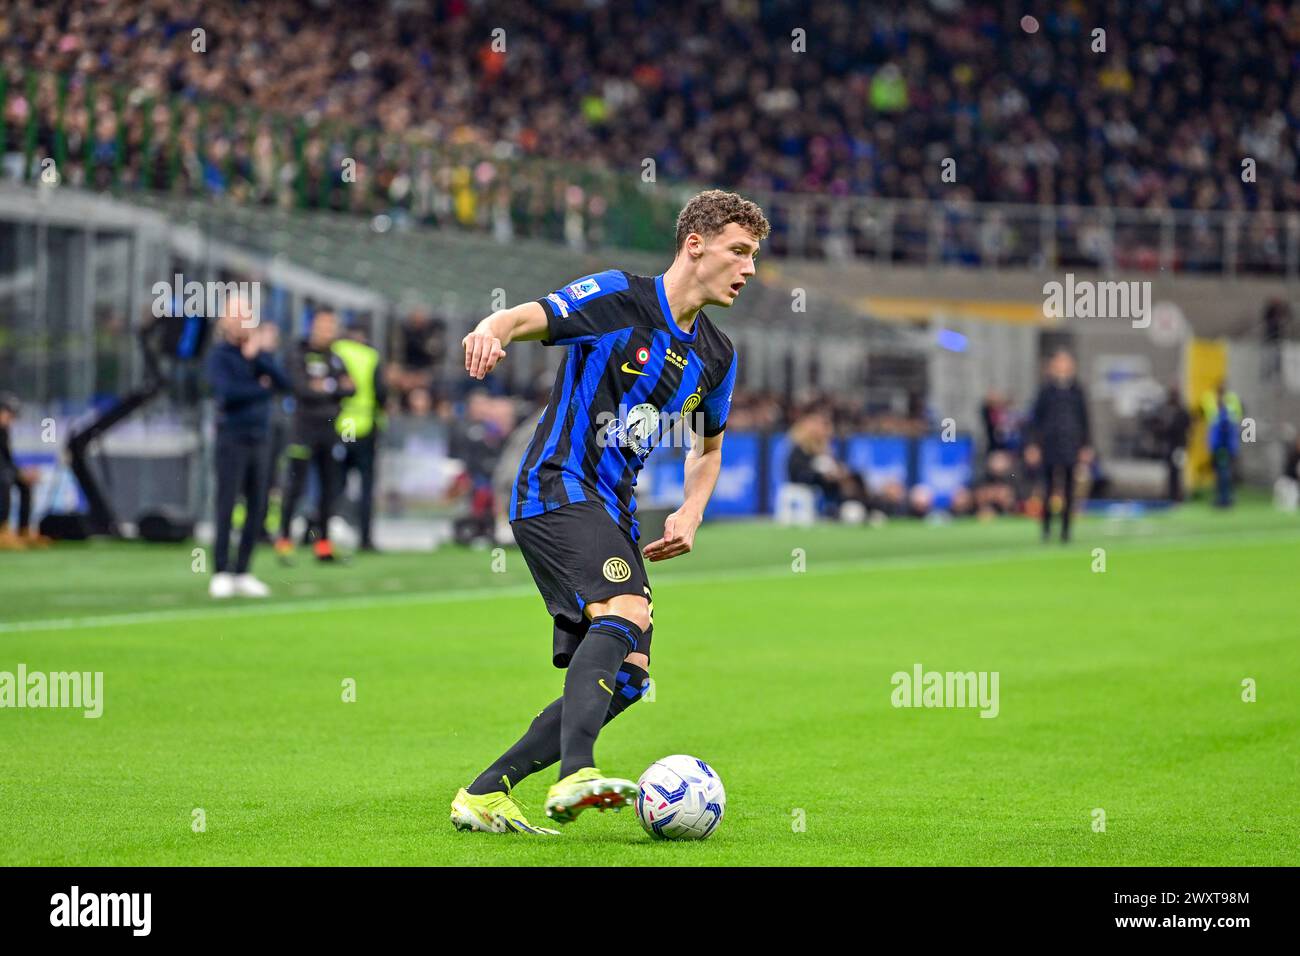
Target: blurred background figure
<point x="320" y="383"/>
<point x="812" y="463"/>
<point x="1001" y="423"/>
<point x="243" y="374"/>
<point x="1222" y="411"/>
<point x="423" y="346"/>
<point x="1060" y="438"/>
<point x="477" y="443"/>
<point x="359" y="423"/>
<point x="1286" y="490"/>
<point x="1172" y="421"/>
<point x="16" y="532"/>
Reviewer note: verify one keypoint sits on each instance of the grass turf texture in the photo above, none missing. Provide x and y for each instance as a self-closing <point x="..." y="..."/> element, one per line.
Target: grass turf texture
<point x="1119" y="690"/>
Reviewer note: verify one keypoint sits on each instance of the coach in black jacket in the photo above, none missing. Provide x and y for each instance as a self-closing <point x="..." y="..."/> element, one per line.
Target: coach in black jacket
<point x="243" y="376"/>
<point x="1059" y="437"/>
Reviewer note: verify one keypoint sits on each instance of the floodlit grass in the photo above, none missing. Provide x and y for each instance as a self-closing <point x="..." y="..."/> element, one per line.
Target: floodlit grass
<point x="1119" y="690"/>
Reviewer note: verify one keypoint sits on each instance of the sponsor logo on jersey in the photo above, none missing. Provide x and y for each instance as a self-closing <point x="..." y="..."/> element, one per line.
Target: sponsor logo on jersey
<point x="642" y="423"/>
<point x="616" y="570"/>
<point x="580" y="290"/>
<point x="635" y="431"/>
<point x="559" y="304"/>
<point x="628" y="368"/>
<point x="678" y="360"/>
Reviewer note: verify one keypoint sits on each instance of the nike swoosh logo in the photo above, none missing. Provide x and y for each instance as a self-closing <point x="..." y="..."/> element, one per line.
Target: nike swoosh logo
<point x="632" y="370"/>
<point x="602" y="683"/>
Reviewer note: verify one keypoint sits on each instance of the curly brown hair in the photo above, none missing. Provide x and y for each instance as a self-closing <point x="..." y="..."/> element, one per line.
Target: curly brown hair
<point x="709" y="212"/>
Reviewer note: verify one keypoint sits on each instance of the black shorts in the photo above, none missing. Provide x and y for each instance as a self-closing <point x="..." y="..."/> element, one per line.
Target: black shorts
<point x="578" y="556"/>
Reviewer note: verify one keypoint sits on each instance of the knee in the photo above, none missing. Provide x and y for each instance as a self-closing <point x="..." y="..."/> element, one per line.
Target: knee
<point x="632" y="608"/>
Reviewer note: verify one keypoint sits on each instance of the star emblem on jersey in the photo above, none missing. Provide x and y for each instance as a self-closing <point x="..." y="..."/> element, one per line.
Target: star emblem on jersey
<point x="616" y="570"/>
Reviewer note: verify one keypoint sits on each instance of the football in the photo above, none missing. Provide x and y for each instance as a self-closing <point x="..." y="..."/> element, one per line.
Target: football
<point x="680" y="798"/>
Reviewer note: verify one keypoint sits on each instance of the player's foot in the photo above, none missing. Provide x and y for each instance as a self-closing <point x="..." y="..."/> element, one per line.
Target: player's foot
<point x="34" y="539"/>
<point x="284" y="550"/>
<point x="248" y="586"/>
<point x="222" y="585"/>
<point x="584" y="789"/>
<point x="11" y="542"/>
<point x="492" y="813"/>
<point x="324" y="550"/>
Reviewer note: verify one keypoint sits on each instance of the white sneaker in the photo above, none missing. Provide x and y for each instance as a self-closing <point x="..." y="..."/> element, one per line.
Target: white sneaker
<point x="248" y="586"/>
<point x="222" y="585"/>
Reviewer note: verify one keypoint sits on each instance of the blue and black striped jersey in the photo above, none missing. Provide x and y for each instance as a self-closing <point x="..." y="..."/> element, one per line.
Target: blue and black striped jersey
<point x="631" y="379"/>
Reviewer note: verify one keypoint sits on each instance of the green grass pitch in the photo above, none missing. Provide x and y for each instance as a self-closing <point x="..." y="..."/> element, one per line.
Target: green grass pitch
<point x="1119" y="690"/>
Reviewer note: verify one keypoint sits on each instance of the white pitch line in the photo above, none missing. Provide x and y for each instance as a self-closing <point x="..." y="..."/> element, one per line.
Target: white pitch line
<point x="814" y="569"/>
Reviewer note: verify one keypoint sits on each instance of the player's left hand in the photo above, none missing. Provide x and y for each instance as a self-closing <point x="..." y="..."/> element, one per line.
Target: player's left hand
<point x="678" y="539"/>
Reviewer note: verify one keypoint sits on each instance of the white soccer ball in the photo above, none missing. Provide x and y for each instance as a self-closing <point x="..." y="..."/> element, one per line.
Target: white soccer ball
<point x="681" y="798"/>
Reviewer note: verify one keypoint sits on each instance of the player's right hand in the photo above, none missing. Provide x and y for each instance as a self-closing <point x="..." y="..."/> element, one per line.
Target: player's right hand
<point x="482" y="353"/>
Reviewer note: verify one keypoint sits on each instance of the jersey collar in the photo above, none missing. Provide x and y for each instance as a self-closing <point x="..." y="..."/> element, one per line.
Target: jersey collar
<point x="673" y="327"/>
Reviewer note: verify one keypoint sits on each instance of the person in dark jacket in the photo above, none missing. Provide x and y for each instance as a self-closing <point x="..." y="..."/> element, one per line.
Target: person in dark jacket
<point x="1172" y="422"/>
<point x="1059" y="436"/>
<point x="320" y="383"/>
<point x="21" y="535"/>
<point x="243" y="375"/>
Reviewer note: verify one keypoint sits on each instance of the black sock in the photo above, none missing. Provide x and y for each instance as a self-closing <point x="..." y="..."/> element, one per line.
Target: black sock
<point x="539" y="747"/>
<point x="529" y="754"/>
<point x="589" y="688"/>
<point x="630" y="685"/>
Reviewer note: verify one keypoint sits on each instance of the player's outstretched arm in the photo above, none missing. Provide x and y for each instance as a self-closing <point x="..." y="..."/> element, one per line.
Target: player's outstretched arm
<point x="485" y="346"/>
<point x="703" y="465"/>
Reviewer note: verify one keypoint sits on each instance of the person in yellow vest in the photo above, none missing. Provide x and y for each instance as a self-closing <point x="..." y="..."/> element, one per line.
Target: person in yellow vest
<point x="360" y="420"/>
<point x="1222" y="411"/>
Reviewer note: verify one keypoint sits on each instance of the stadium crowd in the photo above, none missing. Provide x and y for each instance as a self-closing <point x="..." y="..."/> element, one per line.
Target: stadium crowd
<point x="845" y="99"/>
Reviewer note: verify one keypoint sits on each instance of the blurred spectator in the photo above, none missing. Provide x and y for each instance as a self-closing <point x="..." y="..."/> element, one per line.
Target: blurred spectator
<point x="1171" y="424"/>
<point x="419" y="402"/>
<point x="1160" y="121"/>
<point x="1223" y="413"/>
<point x="1291" y="466"/>
<point x="360" y="421"/>
<point x="1060" y="437"/>
<point x="243" y="374"/>
<point x="997" y="492"/>
<point x="320" y="384"/>
<point x="1001" y="423"/>
<point x="420" y="352"/>
<point x="15" y="534"/>
<point x="812" y="463"/>
<point x="477" y="443"/>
